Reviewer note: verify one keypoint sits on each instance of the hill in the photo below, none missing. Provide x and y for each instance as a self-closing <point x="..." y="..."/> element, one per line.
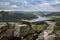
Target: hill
<point x="14" y="16"/>
<point x="54" y="14"/>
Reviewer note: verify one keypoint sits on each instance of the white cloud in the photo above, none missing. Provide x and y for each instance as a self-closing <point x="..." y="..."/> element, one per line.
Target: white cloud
<point x="14" y="6"/>
<point x="25" y="2"/>
<point x="4" y="3"/>
<point x="44" y="5"/>
<point x="56" y="2"/>
<point x="27" y="5"/>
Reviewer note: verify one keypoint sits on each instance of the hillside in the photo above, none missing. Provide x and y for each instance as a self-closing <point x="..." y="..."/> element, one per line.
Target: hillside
<point x="54" y="14"/>
<point x="18" y="15"/>
<point x="14" y="16"/>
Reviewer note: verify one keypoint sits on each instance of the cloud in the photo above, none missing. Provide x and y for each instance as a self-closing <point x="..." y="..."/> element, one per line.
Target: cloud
<point x="14" y="6"/>
<point x="4" y="3"/>
<point x="33" y="5"/>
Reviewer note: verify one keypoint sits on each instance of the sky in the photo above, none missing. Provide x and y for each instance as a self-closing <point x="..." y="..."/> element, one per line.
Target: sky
<point x="30" y="5"/>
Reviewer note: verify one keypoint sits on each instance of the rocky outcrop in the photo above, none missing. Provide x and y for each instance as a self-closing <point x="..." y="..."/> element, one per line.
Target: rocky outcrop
<point x="45" y="34"/>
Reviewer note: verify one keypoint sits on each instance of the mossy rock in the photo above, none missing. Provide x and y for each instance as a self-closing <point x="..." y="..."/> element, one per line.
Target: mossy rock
<point x="25" y="30"/>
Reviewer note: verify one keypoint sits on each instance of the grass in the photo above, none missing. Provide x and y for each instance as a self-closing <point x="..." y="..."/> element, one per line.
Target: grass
<point x="40" y="27"/>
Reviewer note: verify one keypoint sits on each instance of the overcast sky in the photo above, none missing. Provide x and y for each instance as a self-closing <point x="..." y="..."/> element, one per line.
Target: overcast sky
<point x="30" y="5"/>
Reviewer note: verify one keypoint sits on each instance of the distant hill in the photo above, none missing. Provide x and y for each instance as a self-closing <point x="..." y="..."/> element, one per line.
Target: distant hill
<point x="54" y="14"/>
<point x="14" y="16"/>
